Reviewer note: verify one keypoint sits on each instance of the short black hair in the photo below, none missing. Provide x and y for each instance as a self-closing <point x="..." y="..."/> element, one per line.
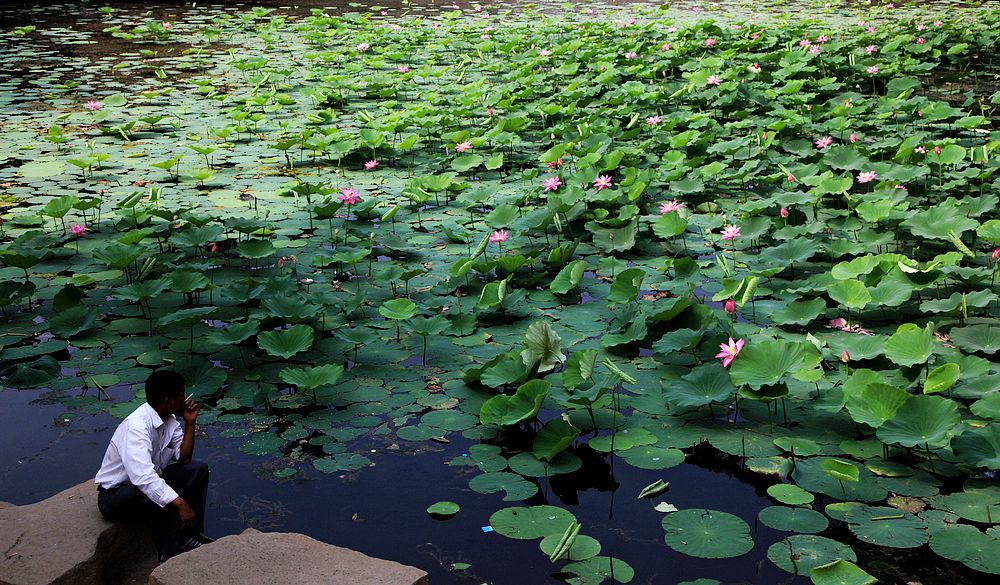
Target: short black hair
<point x="162" y="385"/>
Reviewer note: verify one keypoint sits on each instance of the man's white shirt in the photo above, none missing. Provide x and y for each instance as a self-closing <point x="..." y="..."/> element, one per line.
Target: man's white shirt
<point x="141" y="447"/>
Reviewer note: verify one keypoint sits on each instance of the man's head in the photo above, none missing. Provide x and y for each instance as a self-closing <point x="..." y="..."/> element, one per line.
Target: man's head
<point x="165" y="390"/>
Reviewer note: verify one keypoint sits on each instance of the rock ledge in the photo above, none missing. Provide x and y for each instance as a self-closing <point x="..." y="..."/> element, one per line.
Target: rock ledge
<point x="273" y="558"/>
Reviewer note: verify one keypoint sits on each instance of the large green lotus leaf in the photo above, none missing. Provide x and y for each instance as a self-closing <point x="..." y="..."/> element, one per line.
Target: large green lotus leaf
<point x="503" y="410"/>
<point x="542" y="346"/>
<point x="599" y="569"/>
<point x="554" y="438"/>
<point x="669" y="225"/>
<point x="969" y="546"/>
<point x="516" y="488"/>
<point x="398" y="309"/>
<point x="979" y="447"/>
<point x="73" y="321"/>
<point x="310" y="378"/>
<point x="186" y="281"/>
<point x="286" y="342"/>
<point x="909" y="345"/>
<point x="614" y="239"/>
<point x="485" y="457"/>
<point x="708" y="534"/>
<point x="569" y="277"/>
<point x="767" y="362"/>
<point x="801" y="520"/>
<point x="652" y="457"/>
<point x="886" y="526"/>
<point x="988" y="406"/>
<point x="626" y="285"/>
<point x="530" y="466"/>
<point x="263" y="443"/>
<point x="186" y="317"/>
<point x="935" y="222"/>
<point x="977" y="505"/>
<point x="254" y="248"/>
<point x="984" y="338"/>
<point x="799" y="312"/>
<point x="800" y="554"/>
<point x="235" y="333"/>
<point x="874" y="403"/>
<point x="579" y="368"/>
<point x="845" y="158"/>
<point x="340" y="462"/>
<point x="840" y="572"/>
<point x="449" y="420"/>
<point x="850" y="293"/>
<point x="508" y="369"/>
<point x="703" y="385"/>
<point x="794" y="251"/>
<point x="790" y="494"/>
<point x="941" y="378"/>
<point x="443" y="509"/>
<point x="926" y="421"/>
<point x="798" y="446"/>
<point x="31" y="374"/>
<point x="810" y="474"/>
<point x="678" y="339"/>
<point x="526" y="523"/>
<point x="583" y="548"/>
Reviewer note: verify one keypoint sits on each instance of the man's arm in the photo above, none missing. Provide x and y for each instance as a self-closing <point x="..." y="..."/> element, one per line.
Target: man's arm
<point x="191" y="409"/>
<point x="137" y="459"/>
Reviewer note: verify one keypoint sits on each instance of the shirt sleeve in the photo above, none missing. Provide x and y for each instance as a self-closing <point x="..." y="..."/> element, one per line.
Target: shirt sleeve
<point x="175" y="442"/>
<point x="138" y="462"/>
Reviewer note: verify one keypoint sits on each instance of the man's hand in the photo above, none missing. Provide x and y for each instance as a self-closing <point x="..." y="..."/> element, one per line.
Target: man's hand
<point x="191" y="410"/>
<point x="186" y="513"/>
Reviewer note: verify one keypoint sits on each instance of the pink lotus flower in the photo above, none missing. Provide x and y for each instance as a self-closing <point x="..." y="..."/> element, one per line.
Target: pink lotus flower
<point x="499" y="236"/>
<point x="824" y="142"/>
<point x="713" y="80"/>
<point x="362" y="47"/>
<point x="93" y="105"/>
<point x="784" y="212"/>
<point x="213" y="247"/>
<point x="756" y="67"/>
<point x="729" y="306"/>
<point x="403" y="69"/>
<point x="653" y="120"/>
<point x="631" y="55"/>
<point x="822" y="39"/>
<point x="791" y="178"/>
<point x="920" y="149"/>
<point x="921" y="26"/>
<point x="921" y="40"/>
<point x="937" y="150"/>
<point x="371" y="164"/>
<point x="552" y="184"/>
<point x="867" y="177"/>
<point x="78" y="229"/>
<point x="729" y="351"/>
<point x="814" y="50"/>
<point x="871" y="29"/>
<point x="845" y="356"/>
<point x="838" y="323"/>
<point x="602" y="182"/>
<point x="872" y="70"/>
<point x="349" y="196"/>
<point x="938" y="23"/>
<point x="805" y="43"/>
<point x="709" y="42"/>
<point x="668" y="206"/>
<point x="544" y="52"/>
<point x="554" y="164"/>
<point x="665" y="47"/>
<point x="463" y="146"/>
<point x="730" y="232"/>
<point x="166" y="24"/>
<point x="871" y="49"/>
<point x="996" y="253"/>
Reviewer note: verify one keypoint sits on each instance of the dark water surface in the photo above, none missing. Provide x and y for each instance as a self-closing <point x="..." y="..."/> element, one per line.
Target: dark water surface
<point x="380" y="510"/>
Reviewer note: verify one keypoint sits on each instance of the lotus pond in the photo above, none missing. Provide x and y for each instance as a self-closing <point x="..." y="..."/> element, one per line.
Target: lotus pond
<point x="576" y="293"/>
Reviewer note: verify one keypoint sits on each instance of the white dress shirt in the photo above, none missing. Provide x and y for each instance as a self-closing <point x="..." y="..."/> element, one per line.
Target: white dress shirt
<point x="141" y="447"/>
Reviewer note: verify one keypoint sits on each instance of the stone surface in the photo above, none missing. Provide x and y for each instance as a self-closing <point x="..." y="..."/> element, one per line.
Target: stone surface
<point x="64" y="540"/>
<point x="280" y="558"/>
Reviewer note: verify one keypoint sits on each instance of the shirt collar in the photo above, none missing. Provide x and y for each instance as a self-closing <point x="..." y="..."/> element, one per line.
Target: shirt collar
<point x="151" y="415"/>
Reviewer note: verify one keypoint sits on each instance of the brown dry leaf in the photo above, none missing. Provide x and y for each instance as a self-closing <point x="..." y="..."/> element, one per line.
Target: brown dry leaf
<point x="907" y="504"/>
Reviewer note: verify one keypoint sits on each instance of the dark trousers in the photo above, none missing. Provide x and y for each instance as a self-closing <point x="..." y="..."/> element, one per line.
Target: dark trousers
<point x="127" y="504"/>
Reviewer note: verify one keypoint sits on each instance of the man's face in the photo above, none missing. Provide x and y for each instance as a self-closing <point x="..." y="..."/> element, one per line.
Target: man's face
<point x="175" y="404"/>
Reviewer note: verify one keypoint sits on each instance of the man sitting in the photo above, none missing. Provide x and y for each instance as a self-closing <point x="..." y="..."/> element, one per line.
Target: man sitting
<point x="148" y="475"/>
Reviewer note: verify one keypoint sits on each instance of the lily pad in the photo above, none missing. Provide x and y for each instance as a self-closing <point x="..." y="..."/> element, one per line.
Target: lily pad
<point x="707" y="534"/>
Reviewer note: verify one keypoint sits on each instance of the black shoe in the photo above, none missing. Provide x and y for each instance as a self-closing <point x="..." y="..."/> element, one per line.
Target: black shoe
<point x="193" y="542"/>
<point x="203" y="539"/>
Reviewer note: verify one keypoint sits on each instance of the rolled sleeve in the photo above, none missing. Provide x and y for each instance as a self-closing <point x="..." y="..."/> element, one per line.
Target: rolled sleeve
<point x="138" y="462"/>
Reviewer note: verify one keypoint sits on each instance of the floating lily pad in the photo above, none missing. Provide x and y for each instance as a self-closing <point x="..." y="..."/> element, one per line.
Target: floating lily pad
<point x="801" y="520"/>
<point x="443" y="509"/>
<point x="707" y="533"/>
<point x="802" y="553"/>
<point x="526" y="523"/>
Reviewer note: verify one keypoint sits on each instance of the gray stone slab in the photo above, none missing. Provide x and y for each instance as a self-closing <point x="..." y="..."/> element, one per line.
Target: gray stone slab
<point x="64" y="540"/>
<point x="280" y="558"/>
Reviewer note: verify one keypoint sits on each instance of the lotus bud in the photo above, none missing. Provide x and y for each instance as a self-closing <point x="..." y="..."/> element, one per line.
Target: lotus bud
<point x="845" y="357"/>
<point x="730" y="306"/>
<point x="996" y="253"/>
<point x="784" y="212"/>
